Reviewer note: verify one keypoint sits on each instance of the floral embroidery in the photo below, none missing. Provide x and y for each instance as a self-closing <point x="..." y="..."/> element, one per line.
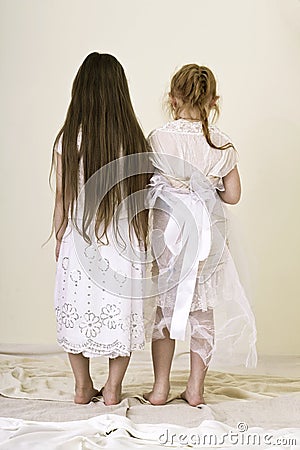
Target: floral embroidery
<point x="119" y="277"/>
<point x="136" y="325"/>
<point x="138" y="268"/>
<point x="90" y="252"/>
<point x="75" y="276"/>
<point x="132" y="323"/>
<point x="91" y="325"/>
<point x="108" y="315"/>
<point x="89" y="319"/>
<point x="69" y="315"/>
<point x="65" y="263"/>
<point x="58" y="318"/>
<point x="103" y="264"/>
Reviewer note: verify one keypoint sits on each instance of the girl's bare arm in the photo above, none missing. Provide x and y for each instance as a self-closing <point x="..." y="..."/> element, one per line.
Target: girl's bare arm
<point x="232" y="184"/>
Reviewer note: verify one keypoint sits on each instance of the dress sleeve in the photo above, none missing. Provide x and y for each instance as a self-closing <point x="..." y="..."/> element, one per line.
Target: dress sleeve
<point x="58" y="147"/>
<point x="163" y="152"/>
<point x="152" y="141"/>
<point x="225" y="160"/>
<point x="156" y="147"/>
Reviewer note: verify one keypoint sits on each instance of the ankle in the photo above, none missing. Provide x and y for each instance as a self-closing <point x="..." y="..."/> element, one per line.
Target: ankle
<point x="162" y="384"/>
<point x="195" y="387"/>
<point x="113" y="385"/>
<point x="83" y="387"/>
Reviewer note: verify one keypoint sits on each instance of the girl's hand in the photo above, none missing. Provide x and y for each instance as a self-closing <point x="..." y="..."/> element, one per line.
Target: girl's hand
<point x="57" y="248"/>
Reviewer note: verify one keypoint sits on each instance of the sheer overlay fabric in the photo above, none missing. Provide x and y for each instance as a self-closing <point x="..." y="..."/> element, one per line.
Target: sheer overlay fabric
<point x="197" y="286"/>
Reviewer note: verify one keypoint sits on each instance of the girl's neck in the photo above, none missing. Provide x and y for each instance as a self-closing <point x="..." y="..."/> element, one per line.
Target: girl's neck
<point x="189" y="118"/>
<point x="193" y="116"/>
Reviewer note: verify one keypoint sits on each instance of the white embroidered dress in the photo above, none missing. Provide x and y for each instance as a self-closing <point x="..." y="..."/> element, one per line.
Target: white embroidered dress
<point x="210" y="298"/>
<point x="95" y="311"/>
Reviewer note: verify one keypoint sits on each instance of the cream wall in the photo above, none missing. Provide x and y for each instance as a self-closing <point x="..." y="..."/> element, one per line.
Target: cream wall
<point x="252" y="46"/>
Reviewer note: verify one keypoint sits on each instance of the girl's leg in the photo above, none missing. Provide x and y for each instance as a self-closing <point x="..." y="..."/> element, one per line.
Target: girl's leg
<point x="113" y="386"/>
<point x="162" y="346"/>
<point x="193" y="393"/>
<point x="202" y="342"/>
<point x="162" y="356"/>
<point x="84" y="389"/>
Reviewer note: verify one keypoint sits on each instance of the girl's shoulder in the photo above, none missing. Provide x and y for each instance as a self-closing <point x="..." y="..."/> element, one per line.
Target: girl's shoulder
<point x="214" y="130"/>
<point x="183" y="126"/>
<point x="219" y="138"/>
<point x="156" y="131"/>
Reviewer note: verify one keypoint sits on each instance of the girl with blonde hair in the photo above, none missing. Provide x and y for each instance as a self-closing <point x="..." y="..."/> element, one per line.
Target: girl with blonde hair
<point x="196" y="278"/>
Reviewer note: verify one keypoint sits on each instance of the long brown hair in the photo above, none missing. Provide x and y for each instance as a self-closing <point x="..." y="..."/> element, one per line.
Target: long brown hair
<point x="101" y="110"/>
<point x="196" y="87"/>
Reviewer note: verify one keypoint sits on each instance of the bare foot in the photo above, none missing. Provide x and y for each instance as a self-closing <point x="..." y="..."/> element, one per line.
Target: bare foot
<point x="111" y="394"/>
<point x="192" y="397"/>
<point x="84" y="395"/>
<point x="158" y="395"/>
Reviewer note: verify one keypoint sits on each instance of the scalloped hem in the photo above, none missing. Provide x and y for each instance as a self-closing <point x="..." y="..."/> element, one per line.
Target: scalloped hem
<point x="95" y="350"/>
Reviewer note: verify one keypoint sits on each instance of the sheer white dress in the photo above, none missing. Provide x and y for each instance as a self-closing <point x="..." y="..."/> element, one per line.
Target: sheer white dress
<point x="210" y="297"/>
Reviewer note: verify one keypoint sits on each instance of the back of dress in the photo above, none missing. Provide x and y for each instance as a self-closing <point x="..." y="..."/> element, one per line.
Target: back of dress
<point x="185" y="140"/>
<point x="193" y="271"/>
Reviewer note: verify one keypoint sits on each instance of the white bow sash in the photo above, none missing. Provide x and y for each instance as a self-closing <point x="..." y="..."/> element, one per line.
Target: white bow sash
<point x="188" y="235"/>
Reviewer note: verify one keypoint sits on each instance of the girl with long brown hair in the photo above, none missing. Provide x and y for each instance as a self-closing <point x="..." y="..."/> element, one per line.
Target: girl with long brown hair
<point x="198" y="284"/>
<point x="100" y="239"/>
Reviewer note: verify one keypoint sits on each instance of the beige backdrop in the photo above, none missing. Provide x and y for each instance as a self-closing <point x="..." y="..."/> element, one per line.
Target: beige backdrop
<point x="251" y="45"/>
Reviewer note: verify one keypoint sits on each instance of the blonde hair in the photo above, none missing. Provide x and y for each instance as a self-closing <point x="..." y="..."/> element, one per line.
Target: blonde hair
<point x="195" y="86"/>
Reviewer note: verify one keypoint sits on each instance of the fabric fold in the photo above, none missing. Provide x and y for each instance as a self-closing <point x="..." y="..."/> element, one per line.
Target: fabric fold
<point x="194" y="213"/>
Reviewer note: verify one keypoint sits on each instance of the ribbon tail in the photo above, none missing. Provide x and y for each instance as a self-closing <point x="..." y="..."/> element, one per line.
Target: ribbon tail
<point x="186" y="286"/>
<point x="182" y="306"/>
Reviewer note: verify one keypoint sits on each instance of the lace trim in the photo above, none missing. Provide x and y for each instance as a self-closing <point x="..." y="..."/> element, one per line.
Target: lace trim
<point x="206" y="295"/>
<point x="91" y="348"/>
<point x="184" y="126"/>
